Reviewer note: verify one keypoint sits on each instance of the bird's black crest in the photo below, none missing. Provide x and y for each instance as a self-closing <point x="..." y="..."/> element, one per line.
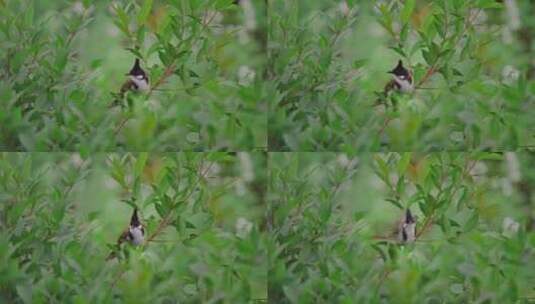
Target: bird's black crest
<point x="400" y="70"/>
<point x="136" y="69"/>
<point x="409" y="219"/>
<point x="134" y="221"/>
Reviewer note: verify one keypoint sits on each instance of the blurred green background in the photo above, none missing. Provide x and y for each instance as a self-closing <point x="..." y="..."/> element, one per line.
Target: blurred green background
<point x="62" y="60"/>
<point x="329" y="59"/>
<point x="203" y="213"/>
<point x="333" y="219"/>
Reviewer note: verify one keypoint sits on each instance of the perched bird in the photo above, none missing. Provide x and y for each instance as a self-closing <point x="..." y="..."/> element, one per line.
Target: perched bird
<point x="135" y="233"/>
<point x="401" y="81"/>
<point x="407" y="228"/>
<point x="137" y="81"/>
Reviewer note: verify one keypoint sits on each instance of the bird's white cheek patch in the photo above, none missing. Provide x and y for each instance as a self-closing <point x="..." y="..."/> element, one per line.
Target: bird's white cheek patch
<point x="141" y="84"/>
<point x="405" y="85"/>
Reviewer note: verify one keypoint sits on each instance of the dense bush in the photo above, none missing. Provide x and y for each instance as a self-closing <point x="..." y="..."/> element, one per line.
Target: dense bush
<point x="472" y="63"/>
<point x="332" y="218"/>
<point x="61" y="61"/>
<point x="59" y="214"/>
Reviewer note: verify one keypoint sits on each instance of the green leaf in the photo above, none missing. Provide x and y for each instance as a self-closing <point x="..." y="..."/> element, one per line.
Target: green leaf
<point x="399" y="50"/>
<point x="144" y="12"/>
<point x="395" y="203"/>
<point x="224" y="4"/>
<point x="29" y="14"/>
<point x="488" y="4"/>
<point x="77" y="96"/>
<point x="123" y="21"/>
<point x="407" y="10"/>
<point x="404" y="163"/>
<point x="488" y="156"/>
<point x="472" y="222"/>
<point x="382" y="169"/>
<point x="357" y="64"/>
<point x="404" y="33"/>
<point x="25" y="292"/>
<point x="160" y="209"/>
<point x="199" y="220"/>
<point x="140" y="163"/>
<point x="380" y="251"/>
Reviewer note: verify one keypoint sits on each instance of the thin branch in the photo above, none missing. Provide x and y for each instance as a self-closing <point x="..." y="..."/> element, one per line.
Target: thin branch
<point x="165" y="221"/>
<point x="166" y="74"/>
<point x="383" y="128"/>
<point x="429" y="220"/>
<point x="121" y="125"/>
<point x="433" y="68"/>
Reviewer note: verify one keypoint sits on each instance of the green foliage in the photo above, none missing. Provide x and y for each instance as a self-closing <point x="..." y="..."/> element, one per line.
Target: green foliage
<point x="332" y="238"/>
<point x="472" y="68"/>
<point x="63" y="64"/>
<point x="60" y="213"/>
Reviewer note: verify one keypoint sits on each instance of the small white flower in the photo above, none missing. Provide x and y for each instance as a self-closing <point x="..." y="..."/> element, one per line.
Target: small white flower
<point x="193" y="137"/>
<point x="112" y="31"/>
<point x="249" y="13"/>
<point x="78" y="7"/>
<point x="513" y="14"/>
<point x="243" y="227"/>
<point x="343" y="7"/>
<point x="110" y="183"/>
<point x="246" y="165"/>
<point x="510" y="74"/>
<point x="245" y="75"/>
<point x="77" y="160"/>
<point x="510" y="227"/>
<point x="513" y="167"/>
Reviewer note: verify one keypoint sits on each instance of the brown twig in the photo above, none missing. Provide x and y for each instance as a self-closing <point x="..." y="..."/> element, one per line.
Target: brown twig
<point x="433" y="68"/>
<point x="165" y="221"/>
<point x="168" y="72"/>
<point x="383" y="128"/>
<point x="383" y="277"/>
<point x="121" y="125"/>
<point x="429" y="220"/>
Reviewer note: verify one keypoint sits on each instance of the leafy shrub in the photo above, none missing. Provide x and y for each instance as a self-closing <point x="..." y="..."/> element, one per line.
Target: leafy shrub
<point x="62" y="60"/>
<point x="332" y="220"/>
<point x="59" y="213"/>
<point x="472" y="65"/>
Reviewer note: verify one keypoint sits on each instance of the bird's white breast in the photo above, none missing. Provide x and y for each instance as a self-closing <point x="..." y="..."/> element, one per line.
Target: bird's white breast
<point x="404" y="84"/>
<point x="410" y="232"/>
<point x="137" y="235"/>
<point x="141" y="83"/>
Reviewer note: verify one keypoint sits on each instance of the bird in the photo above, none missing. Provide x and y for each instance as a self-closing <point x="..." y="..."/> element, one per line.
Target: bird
<point x="137" y="81"/>
<point x="401" y="79"/>
<point x="133" y="235"/>
<point x="407" y="228"/>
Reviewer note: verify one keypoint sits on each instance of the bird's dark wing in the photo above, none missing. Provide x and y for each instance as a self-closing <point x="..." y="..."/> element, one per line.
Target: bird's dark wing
<point x="125" y="236"/>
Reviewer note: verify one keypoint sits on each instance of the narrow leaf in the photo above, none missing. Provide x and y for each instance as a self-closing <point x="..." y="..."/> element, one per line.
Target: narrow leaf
<point x="144" y="12"/>
<point x="407" y="10"/>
